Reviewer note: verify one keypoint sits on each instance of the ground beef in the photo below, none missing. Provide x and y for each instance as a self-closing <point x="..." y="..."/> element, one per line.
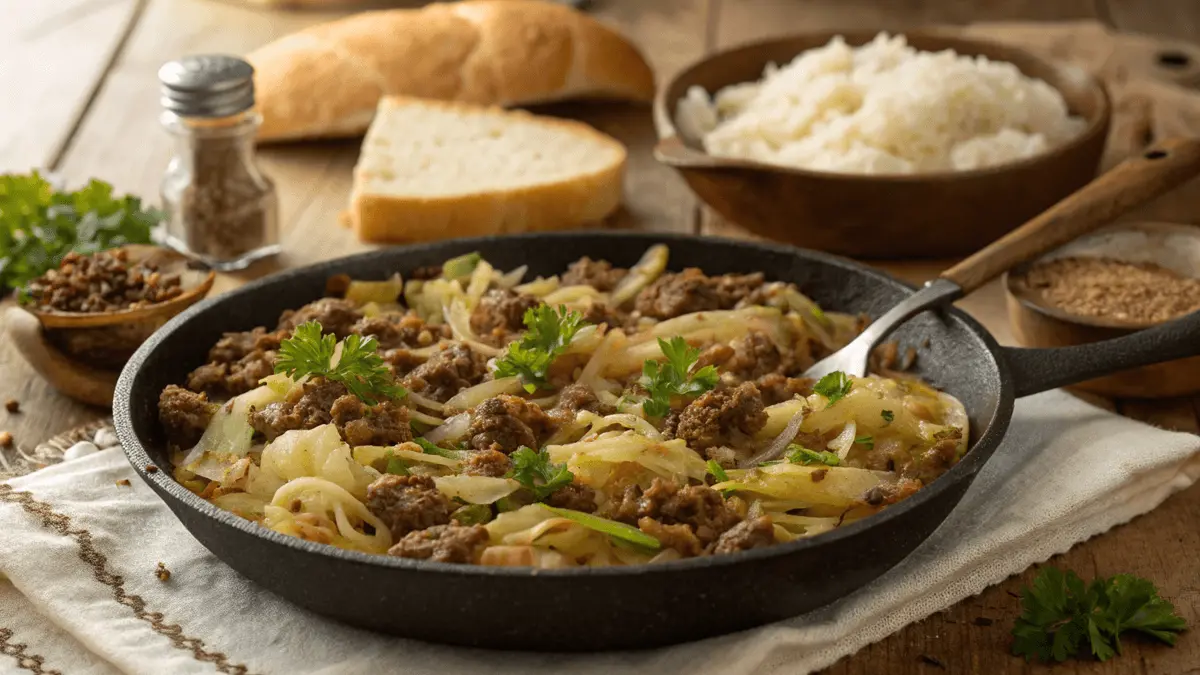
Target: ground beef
<point x="401" y="361"/>
<point x="754" y="356"/>
<point x="184" y="415"/>
<point x="306" y="407"/>
<point x="392" y="331"/>
<point x="679" y="537"/>
<point x="698" y="506"/>
<point x="716" y="355"/>
<point x="599" y="274"/>
<point x="234" y="347"/>
<point x="105" y="281"/>
<point x="407" y="503"/>
<point x="446" y="372"/>
<point x="746" y="535"/>
<point x="776" y="388"/>
<point x="714" y="417"/>
<point x="576" y="397"/>
<point x="501" y="313"/>
<point x="360" y="424"/>
<point x="573" y="496"/>
<point x="928" y="465"/>
<point x="335" y="315"/>
<point x="692" y="291"/>
<point x="488" y="463"/>
<point x="443" y="543"/>
<point x="599" y="313"/>
<point x="505" y="423"/>
<point x="231" y="379"/>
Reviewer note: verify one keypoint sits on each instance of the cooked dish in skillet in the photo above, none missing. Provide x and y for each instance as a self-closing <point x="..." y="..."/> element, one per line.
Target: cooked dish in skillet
<point x="600" y="417"/>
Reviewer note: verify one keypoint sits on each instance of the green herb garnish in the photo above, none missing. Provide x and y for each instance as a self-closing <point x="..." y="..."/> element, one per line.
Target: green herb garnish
<point x="547" y="334"/>
<point x="462" y="266"/>
<point x="671" y="378"/>
<point x="718" y="473"/>
<point x="395" y="465"/>
<point x="887" y="416"/>
<point x="39" y="225"/>
<point x="833" y="386"/>
<point x="868" y="441"/>
<point x="359" y="367"/>
<point x="535" y="472"/>
<point x="431" y="449"/>
<point x="798" y="454"/>
<point x="612" y="528"/>
<point x="1059" y="614"/>
<point x="472" y="514"/>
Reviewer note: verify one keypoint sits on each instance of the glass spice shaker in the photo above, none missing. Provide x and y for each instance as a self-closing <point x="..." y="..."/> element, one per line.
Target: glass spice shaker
<point x="220" y="207"/>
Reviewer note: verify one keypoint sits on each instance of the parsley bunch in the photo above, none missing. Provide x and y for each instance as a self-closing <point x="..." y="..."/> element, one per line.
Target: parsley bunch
<point x="547" y="334"/>
<point x="359" y="367"/>
<point x="1061" y="614"/>
<point x="535" y="472"/>
<point x="39" y="225"/>
<point x="674" y="377"/>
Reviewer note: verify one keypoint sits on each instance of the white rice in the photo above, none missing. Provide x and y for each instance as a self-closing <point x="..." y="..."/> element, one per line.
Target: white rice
<point x="883" y="108"/>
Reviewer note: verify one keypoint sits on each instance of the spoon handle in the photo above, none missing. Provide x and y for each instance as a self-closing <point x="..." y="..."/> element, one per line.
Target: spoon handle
<point x="1134" y="182"/>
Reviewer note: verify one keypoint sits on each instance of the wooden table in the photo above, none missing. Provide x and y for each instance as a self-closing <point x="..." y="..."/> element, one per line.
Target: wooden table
<point x="80" y="98"/>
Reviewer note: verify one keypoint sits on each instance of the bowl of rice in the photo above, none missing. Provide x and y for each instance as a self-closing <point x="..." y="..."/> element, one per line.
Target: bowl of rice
<point x="874" y="145"/>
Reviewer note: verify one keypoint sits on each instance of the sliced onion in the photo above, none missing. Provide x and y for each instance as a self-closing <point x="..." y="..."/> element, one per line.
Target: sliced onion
<point x="476" y="489"/>
<point x="472" y="396"/>
<point x="426" y="403"/>
<point x="539" y="287"/>
<point x="481" y="278"/>
<point x="460" y="324"/>
<point x="424" y="418"/>
<point x="451" y="430"/>
<point x="510" y="279"/>
<point x="842" y="444"/>
<point x="777" y="446"/>
<point x="651" y="265"/>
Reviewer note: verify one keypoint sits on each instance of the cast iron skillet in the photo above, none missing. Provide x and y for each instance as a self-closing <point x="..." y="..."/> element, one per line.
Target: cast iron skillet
<point x="594" y="609"/>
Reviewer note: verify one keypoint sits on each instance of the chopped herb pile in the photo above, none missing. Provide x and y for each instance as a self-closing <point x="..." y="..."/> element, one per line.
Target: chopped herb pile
<point x="798" y="454"/>
<point x="535" y="472"/>
<point x="834" y="386"/>
<point x="359" y="366"/>
<point x="39" y="225"/>
<point x="673" y="377"/>
<point x="547" y="334"/>
<point x="1060" y="614"/>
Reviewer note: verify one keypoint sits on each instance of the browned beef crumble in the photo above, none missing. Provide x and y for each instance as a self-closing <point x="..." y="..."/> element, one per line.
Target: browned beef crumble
<point x="754" y="356"/>
<point x="691" y="290"/>
<point x="238" y="362"/>
<point x="716" y="416"/>
<point x="573" y="496"/>
<point x="776" y="388"/>
<point x="306" y="407"/>
<point x="360" y="424"/>
<point x="698" y="506"/>
<point x="600" y="313"/>
<point x="574" y="398"/>
<point x="446" y="372"/>
<point x="335" y="315"/>
<point x="102" y="282"/>
<point x="500" y="314"/>
<point x="407" y="503"/>
<point x="401" y="361"/>
<point x="184" y="415"/>
<point x="746" y="535"/>
<point x="487" y="463"/>
<point x="396" y="330"/>
<point x="599" y="274"/>
<point x="505" y="423"/>
<point x="451" y="543"/>
<point x="679" y="537"/>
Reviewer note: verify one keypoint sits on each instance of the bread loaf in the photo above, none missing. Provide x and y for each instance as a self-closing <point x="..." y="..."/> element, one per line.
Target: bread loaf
<point x="433" y="170"/>
<point x="325" y="81"/>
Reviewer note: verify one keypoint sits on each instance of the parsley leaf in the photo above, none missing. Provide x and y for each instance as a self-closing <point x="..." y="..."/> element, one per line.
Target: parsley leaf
<point x="534" y="471"/>
<point x="798" y="454"/>
<point x="359" y="366"/>
<point x="833" y="386"/>
<point x="718" y="474"/>
<point x="431" y="449"/>
<point x="671" y="378"/>
<point x="887" y="415"/>
<point x="39" y="225"/>
<point x="1060" y="614"/>
<point x="395" y="465"/>
<point x="547" y="334"/>
<point x="868" y="441"/>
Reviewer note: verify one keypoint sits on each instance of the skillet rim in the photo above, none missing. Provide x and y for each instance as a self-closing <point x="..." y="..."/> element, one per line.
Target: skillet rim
<point x="162" y="482"/>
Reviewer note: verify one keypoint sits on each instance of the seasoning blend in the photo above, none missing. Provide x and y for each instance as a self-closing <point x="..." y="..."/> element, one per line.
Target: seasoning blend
<point x="220" y="207"/>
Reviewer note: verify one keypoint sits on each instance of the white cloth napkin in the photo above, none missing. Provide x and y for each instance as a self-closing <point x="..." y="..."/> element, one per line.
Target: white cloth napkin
<point x="80" y="552"/>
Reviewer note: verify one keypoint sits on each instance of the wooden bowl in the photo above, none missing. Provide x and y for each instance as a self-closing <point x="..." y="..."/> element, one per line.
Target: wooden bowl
<point x="933" y="215"/>
<point x="1036" y="324"/>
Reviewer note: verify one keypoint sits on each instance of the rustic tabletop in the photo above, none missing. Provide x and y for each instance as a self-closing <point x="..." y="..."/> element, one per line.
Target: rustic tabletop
<point x="80" y="99"/>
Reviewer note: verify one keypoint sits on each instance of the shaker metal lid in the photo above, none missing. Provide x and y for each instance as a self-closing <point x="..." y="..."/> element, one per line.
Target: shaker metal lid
<point x="207" y="85"/>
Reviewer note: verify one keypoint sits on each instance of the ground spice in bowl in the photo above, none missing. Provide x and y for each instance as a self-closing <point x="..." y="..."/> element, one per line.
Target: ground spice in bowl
<point x="1136" y="292"/>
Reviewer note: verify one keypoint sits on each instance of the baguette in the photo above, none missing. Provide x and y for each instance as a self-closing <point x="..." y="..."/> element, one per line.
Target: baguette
<point x="325" y="81"/>
<point x="434" y="170"/>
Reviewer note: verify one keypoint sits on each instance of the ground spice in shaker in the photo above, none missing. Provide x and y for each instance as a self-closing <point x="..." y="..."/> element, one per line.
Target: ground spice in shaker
<point x="1107" y="288"/>
<point x="221" y="208"/>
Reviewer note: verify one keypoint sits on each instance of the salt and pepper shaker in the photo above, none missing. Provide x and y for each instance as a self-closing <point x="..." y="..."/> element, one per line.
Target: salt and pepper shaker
<point x="220" y="207"/>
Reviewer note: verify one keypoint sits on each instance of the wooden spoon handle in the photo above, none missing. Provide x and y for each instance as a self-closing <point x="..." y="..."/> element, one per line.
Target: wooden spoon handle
<point x="78" y="381"/>
<point x="1134" y="182"/>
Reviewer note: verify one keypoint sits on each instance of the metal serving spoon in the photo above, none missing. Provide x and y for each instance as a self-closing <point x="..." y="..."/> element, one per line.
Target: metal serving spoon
<point x="1132" y="183"/>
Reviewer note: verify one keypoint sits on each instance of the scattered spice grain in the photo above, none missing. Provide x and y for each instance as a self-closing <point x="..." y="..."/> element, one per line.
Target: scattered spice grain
<point x="6" y="439"/>
<point x="123" y="482"/>
<point x="162" y="572"/>
<point x="1108" y="288"/>
<point x="12" y="405"/>
<point x="150" y="468"/>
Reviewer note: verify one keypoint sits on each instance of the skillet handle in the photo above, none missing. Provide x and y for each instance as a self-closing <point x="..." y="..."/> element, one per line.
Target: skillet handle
<point x="1038" y="370"/>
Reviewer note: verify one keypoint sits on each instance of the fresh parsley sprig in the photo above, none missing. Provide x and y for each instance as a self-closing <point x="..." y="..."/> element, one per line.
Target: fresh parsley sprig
<point x="798" y="454"/>
<point x="535" y="472"/>
<point x="673" y="377"/>
<point x="1060" y="614"/>
<point x="834" y="386"/>
<point x="359" y="367"/>
<point x="547" y="334"/>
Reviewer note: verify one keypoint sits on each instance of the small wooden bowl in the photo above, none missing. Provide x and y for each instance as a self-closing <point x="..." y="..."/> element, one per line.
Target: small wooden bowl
<point x="1037" y="324"/>
<point x="80" y="353"/>
<point x="933" y="215"/>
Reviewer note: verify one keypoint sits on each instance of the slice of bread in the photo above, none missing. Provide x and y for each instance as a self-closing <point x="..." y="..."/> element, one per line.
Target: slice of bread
<point x="436" y="170"/>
